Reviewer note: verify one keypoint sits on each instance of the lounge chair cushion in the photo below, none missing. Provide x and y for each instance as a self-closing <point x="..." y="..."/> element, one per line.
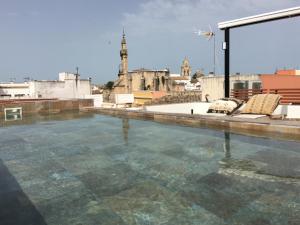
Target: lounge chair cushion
<point x="225" y="105"/>
<point x="262" y="104"/>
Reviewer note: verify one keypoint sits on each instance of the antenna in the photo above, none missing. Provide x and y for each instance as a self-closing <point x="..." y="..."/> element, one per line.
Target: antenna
<point x="12" y="79"/>
<point x="26" y="79"/>
<point x="209" y="35"/>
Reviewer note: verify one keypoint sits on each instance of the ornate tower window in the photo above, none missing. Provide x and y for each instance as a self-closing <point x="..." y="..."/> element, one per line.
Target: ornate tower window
<point x="163" y="80"/>
<point x="143" y="83"/>
<point x="156" y="83"/>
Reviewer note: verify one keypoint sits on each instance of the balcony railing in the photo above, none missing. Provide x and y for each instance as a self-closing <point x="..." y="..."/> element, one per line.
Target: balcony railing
<point x="289" y="96"/>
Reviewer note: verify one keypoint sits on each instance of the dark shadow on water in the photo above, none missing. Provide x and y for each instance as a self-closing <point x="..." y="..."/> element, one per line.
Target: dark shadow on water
<point x="125" y="126"/>
<point x="227" y="145"/>
<point x="15" y="206"/>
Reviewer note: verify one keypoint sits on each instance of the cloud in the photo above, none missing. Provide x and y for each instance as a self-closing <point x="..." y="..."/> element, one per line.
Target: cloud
<point x="34" y="13"/>
<point x="12" y="14"/>
<point x="184" y="15"/>
<point x="17" y="14"/>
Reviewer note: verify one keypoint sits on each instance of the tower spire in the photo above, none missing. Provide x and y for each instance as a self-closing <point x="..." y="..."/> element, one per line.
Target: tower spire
<point x="123" y="74"/>
<point x="124" y="40"/>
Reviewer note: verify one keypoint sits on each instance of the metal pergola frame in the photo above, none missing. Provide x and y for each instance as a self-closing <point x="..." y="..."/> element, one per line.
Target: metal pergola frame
<point x="246" y="21"/>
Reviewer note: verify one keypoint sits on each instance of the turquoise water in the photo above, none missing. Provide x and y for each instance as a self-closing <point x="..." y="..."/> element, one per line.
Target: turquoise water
<point x="104" y="170"/>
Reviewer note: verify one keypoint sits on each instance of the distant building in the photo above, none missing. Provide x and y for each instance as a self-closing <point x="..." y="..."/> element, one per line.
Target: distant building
<point x="97" y="89"/>
<point x="282" y="79"/>
<point x="69" y="86"/>
<point x="291" y="72"/>
<point x="146" y="79"/>
<point x="213" y="85"/>
<point x="182" y="82"/>
<point x="149" y="80"/>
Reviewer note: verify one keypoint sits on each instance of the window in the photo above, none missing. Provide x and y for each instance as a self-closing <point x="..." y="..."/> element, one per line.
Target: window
<point x="19" y="95"/>
<point x="256" y="85"/>
<point x="157" y="84"/>
<point x="240" y="85"/>
<point x="143" y="84"/>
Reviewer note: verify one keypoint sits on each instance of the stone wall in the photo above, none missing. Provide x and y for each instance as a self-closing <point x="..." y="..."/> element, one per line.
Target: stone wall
<point x="177" y="97"/>
<point x="46" y="106"/>
<point x="152" y="80"/>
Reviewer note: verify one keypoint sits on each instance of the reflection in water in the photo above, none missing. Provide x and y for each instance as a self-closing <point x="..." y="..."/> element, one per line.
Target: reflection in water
<point x="227" y="160"/>
<point x="227" y="145"/>
<point x="12" y="117"/>
<point x="125" y="124"/>
<point x="35" y="118"/>
<point x="13" y="114"/>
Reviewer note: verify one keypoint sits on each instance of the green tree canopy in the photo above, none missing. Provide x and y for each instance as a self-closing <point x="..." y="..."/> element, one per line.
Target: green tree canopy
<point x="109" y="85"/>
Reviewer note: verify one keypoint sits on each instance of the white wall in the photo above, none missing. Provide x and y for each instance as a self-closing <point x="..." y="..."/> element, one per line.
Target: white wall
<point x="85" y="88"/>
<point x="198" y="108"/>
<point x="49" y="89"/>
<point x="291" y="111"/>
<point x="66" y="76"/>
<point x="98" y="99"/>
<point x="124" y="98"/>
<point x="61" y="89"/>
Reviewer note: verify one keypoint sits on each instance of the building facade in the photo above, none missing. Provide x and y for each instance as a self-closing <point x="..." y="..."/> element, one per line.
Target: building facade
<point x="149" y="80"/>
<point x="282" y="79"/>
<point x="213" y="85"/>
<point x="69" y="86"/>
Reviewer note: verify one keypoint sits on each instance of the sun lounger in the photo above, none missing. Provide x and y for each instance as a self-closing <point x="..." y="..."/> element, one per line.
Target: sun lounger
<point x="259" y="106"/>
<point x="264" y="104"/>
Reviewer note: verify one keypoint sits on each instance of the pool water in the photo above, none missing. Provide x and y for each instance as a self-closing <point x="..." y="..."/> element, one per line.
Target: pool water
<point x="104" y="170"/>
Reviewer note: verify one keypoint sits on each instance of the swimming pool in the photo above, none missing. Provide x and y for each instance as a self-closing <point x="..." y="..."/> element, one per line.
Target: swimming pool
<point x="104" y="170"/>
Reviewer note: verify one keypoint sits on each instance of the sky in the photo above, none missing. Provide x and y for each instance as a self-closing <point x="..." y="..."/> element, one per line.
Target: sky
<point x="40" y="38"/>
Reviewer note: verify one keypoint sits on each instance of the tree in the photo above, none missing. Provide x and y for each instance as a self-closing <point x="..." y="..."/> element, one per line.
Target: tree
<point x="109" y="85"/>
<point x="195" y="76"/>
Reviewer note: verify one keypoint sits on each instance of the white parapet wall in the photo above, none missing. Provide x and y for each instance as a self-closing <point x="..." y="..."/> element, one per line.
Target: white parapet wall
<point x="200" y="108"/>
<point x="289" y="111"/>
<point x="293" y="112"/>
<point x="98" y="99"/>
<point x="124" y="99"/>
<point x="182" y="108"/>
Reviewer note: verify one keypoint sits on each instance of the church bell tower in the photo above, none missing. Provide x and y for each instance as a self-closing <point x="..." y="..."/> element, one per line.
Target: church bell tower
<point x="123" y="71"/>
<point x="186" y="68"/>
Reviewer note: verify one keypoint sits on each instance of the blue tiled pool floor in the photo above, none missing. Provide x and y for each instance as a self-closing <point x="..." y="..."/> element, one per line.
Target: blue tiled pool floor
<point x="105" y="170"/>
